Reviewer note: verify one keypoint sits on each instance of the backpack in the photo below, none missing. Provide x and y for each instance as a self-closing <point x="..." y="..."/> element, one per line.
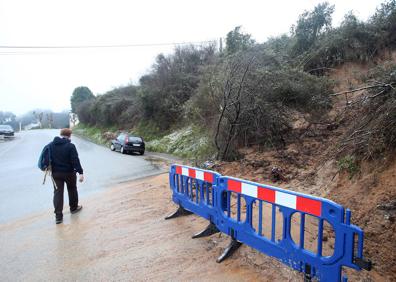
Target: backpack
<point x="44" y="162"/>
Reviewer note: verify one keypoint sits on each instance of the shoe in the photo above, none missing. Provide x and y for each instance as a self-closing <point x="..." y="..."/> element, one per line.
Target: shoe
<point x="58" y="220"/>
<point x="79" y="208"/>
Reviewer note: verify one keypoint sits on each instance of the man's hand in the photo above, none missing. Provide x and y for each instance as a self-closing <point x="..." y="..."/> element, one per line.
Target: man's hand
<point x="81" y="178"/>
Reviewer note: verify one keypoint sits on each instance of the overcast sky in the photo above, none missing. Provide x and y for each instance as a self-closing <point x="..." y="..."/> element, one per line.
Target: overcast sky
<point x="46" y="78"/>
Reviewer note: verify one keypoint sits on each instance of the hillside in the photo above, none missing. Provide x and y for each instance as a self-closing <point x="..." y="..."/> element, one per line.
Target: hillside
<point x="310" y="165"/>
<point x="313" y="111"/>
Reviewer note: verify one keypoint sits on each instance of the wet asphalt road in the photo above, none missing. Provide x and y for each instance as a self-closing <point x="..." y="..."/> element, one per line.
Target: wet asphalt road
<point x="21" y="191"/>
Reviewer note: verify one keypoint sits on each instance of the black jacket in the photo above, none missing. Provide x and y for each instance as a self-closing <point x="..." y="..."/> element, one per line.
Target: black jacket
<point x="64" y="156"/>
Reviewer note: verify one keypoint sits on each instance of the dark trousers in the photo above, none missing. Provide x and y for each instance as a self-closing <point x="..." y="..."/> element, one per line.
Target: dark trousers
<point x="60" y="179"/>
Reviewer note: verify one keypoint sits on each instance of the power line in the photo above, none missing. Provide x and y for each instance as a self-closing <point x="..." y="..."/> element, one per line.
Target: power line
<point x="101" y="46"/>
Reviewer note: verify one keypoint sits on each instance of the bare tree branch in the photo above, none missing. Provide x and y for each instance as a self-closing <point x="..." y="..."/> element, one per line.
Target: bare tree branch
<point x="364" y="88"/>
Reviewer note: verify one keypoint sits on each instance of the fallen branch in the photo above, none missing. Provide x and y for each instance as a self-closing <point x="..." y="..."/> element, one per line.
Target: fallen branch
<point x="376" y="95"/>
<point x="323" y="68"/>
<point x="364" y="88"/>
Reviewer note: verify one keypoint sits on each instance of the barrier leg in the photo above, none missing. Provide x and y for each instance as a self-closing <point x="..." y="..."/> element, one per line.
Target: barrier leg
<point x="231" y="248"/>
<point x="307" y="273"/>
<point x="179" y="212"/>
<point x="209" y="230"/>
<point x="364" y="264"/>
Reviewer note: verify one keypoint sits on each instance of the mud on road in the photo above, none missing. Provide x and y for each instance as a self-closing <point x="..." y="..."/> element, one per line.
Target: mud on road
<point x="121" y="235"/>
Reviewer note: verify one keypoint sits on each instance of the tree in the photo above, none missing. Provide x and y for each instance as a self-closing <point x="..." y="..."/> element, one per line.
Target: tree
<point x="73" y="119"/>
<point x="384" y="20"/>
<point x="246" y="99"/>
<point x="310" y="25"/>
<point x="237" y="41"/>
<point x="80" y="94"/>
<point x="171" y="83"/>
<point x="6" y="117"/>
<point x="39" y="117"/>
<point x="233" y="106"/>
<point x="50" y="119"/>
<point x="85" y="113"/>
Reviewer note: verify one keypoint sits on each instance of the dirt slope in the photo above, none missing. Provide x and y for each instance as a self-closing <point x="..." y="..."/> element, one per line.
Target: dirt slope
<point x="309" y="165"/>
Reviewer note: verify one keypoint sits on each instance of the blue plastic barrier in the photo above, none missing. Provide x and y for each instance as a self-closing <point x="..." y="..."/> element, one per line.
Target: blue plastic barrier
<point x="326" y="268"/>
<point x="210" y="195"/>
<point x="194" y="190"/>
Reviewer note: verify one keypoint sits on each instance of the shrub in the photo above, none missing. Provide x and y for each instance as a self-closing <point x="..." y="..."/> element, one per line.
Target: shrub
<point x="373" y="131"/>
<point x="348" y="164"/>
<point x="354" y="40"/>
<point x="171" y="83"/>
<point x="244" y="99"/>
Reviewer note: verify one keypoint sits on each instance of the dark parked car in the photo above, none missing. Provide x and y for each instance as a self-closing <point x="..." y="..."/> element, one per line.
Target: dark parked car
<point x="127" y="144"/>
<point x="6" y="130"/>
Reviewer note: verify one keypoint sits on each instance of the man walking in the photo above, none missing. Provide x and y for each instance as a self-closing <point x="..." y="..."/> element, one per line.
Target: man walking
<point x="65" y="164"/>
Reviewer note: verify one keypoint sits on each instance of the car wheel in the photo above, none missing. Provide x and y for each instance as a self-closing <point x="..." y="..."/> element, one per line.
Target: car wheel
<point x="122" y="151"/>
<point x="112" y="147"/>
<point x="142" y="153"/>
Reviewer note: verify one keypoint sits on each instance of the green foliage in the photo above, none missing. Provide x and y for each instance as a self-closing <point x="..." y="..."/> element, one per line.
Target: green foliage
<point x="93" y="133"/>
<point x="311" y="25"/>
<point x="280" y="49"/>
<point x="384" y="23"/>
<point x="119" y="106"/>
<point x="296" y="89"/>
<point x="244" y="100"/>
<point x="171" y="83"/>
<point x="190" y="142"/>
<point x="353" y="41"/>
<point x="80" y="94"/>
<point x="238" y="41"/>
<point x="349" y="164"/>
<point x="244" y="96"/>
<point x="149" y="130"/>
<point x="84" y="112"/>
<point x="373" y="131"/>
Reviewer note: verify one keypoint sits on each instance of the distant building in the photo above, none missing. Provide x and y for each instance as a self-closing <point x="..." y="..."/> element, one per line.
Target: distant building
<point x="31" y="126"/>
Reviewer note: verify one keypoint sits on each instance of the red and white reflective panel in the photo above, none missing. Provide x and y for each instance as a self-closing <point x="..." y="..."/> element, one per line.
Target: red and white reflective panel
<point x="299" y="203"/>
<point x="195" y="173"/>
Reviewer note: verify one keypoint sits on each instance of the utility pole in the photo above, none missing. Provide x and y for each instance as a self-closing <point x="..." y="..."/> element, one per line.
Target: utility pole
<point x="221" y="45"/>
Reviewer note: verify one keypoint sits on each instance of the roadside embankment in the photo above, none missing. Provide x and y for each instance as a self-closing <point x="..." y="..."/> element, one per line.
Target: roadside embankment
<point x="188" y="142"/>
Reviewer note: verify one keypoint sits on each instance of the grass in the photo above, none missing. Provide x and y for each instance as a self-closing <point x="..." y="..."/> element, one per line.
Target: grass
<point x="149" y="131"/>
<point x="348" y="163"/>
<point x="94" y="134"/>
<point x="189" y="142"/>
